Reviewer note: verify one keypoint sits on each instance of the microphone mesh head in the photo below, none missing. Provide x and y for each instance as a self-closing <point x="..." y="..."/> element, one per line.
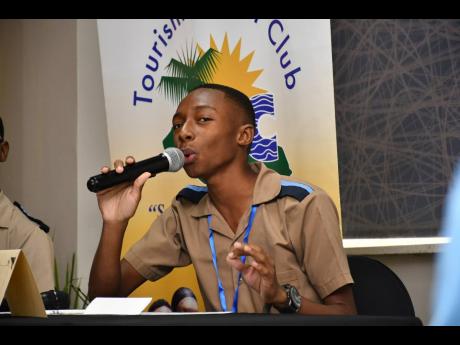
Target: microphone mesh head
<point x="175" y="157"/>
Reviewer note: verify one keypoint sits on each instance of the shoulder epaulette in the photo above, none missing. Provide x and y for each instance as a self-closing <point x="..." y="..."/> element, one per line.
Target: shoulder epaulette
<point x="296" y="190"/>
<point x="192" y="193"/>
<point x="37" y="221"/>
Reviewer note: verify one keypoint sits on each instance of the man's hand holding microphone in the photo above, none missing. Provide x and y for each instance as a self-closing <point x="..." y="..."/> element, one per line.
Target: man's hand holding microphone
<point x="118" y="195"/>
<point x="119" y="190"/>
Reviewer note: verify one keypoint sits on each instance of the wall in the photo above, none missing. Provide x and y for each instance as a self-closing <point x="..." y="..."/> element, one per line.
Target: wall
<point x="38" y="102"/>
<point x="92" y="143"/>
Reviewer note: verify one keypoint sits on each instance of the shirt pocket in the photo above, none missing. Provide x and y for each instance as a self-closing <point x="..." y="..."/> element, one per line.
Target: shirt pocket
<point x="287" y="277"/>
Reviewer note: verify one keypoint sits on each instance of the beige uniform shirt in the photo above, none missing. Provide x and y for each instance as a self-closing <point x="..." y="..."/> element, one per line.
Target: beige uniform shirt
<point x="296" y="224"/>
<point x="18" y="232"/>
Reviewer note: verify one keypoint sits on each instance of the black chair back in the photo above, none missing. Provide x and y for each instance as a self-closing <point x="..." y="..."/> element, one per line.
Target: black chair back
<point x="377" y="289"/>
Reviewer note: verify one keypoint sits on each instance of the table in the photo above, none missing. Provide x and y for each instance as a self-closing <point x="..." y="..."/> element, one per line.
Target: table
<point x="241" y="319"/>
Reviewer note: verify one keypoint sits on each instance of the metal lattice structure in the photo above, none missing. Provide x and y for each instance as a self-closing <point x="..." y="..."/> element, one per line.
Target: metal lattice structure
<point x="397" y="100"/>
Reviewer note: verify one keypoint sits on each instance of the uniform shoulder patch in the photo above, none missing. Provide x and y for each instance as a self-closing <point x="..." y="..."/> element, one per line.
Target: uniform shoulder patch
<point x="192" y="193"/>
<point x="295" y="190"/>
<point x="37" y="221"/>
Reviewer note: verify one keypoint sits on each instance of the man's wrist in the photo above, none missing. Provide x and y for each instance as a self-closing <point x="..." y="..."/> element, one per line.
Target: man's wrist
<point x="281" y="298"/>
<point x="115" y="224"/>
<point x="114" y="229"/>
<point x="292" y="301"/>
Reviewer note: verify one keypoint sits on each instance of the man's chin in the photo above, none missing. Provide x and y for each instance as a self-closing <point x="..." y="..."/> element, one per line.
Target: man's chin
<point x="192" y="173"/>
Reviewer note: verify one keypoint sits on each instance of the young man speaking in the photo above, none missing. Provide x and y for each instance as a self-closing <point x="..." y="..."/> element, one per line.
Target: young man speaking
<point x="258" y="241"/>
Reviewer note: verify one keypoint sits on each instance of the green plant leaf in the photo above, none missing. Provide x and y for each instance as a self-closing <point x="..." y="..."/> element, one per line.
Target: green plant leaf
<point x="81" y="296"/>
<point x="67" y="283"/>
<point x="72" y="269"/>
<point x="75" y="302"/>
<point x="56" y="275"/>
<point x="72" y="284"/>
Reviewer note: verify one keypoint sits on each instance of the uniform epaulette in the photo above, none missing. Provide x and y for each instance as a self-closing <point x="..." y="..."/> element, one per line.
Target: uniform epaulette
<point x="37" y="221"/>
<point x="192" y="193"/>
<point x="296" y="190"/>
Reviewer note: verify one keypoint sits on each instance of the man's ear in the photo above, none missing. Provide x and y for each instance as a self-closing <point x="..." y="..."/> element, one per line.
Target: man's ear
<point x="4" y="149"/>
<point x="245" y="135"/>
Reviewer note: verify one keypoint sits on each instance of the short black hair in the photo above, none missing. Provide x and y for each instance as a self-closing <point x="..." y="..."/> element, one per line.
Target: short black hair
<point x="2" y="130"/>
<point x="235" y="95"/>
<point x="180" y="294"/>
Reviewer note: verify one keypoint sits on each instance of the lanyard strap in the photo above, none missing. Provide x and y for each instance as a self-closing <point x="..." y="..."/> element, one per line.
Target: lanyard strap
<point x="223" y="302"/>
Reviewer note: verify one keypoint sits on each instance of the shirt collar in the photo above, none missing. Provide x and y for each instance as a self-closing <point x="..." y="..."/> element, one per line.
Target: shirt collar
<point x="267" y="187"/>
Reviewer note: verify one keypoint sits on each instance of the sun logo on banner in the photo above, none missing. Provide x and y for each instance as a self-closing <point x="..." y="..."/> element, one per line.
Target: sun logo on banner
<point x="222" y="66"/>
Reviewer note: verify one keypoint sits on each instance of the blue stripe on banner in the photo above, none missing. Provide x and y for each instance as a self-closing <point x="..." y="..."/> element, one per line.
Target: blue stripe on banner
<point x="197" y="188"/>
<point x="286" y="183"/>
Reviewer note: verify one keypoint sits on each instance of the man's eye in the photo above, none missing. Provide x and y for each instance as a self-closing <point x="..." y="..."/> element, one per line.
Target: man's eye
<point x="177" y="125"/>
<point x="204" y="119"/>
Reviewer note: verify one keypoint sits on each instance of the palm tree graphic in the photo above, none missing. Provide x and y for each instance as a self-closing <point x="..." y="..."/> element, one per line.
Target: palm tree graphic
<point x="190" y="71"/>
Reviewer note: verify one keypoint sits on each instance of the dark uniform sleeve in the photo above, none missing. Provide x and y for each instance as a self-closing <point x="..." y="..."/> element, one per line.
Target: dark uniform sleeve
<point x="317" y="239"/>
<point x="161" y="248"/>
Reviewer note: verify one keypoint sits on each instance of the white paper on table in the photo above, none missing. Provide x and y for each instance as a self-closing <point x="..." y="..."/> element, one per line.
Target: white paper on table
<point x="65" y="311"/>
<point x="117" y="306"/>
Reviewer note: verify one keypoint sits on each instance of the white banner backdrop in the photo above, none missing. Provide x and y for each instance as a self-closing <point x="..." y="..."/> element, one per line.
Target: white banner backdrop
<point x="284" y="66"/>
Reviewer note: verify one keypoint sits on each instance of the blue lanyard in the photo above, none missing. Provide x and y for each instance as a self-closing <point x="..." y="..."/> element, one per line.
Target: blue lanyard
<point x="223" y="302"/>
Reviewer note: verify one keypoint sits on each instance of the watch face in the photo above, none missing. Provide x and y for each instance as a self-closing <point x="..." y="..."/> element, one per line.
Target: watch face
<point x="292" y="305"/>
<point x="296" y="299"/>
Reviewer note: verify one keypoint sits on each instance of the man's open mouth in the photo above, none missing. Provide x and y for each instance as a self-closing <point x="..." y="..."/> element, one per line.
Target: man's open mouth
<point x="190" y="155"/>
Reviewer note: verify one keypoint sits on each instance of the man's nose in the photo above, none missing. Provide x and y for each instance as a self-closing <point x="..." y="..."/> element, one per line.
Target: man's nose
<point x="186" y="132"/>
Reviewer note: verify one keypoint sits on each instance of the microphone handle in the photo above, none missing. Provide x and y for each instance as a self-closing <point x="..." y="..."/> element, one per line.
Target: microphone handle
<point x="153" y="165"/>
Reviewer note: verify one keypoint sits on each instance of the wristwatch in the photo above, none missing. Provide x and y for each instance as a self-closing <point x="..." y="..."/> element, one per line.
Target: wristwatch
<point x="292" y="304"/>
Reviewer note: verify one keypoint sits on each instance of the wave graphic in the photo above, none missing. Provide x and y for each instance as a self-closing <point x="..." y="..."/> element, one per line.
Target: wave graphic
<point x="256" y="101"/>
<point x="263" y="110"/>
<point x="263" y="149"/>
<point x="265" y="157"/>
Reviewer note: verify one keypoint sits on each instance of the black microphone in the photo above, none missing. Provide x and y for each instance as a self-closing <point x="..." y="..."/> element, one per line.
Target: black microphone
<point x="172" y="159"/>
